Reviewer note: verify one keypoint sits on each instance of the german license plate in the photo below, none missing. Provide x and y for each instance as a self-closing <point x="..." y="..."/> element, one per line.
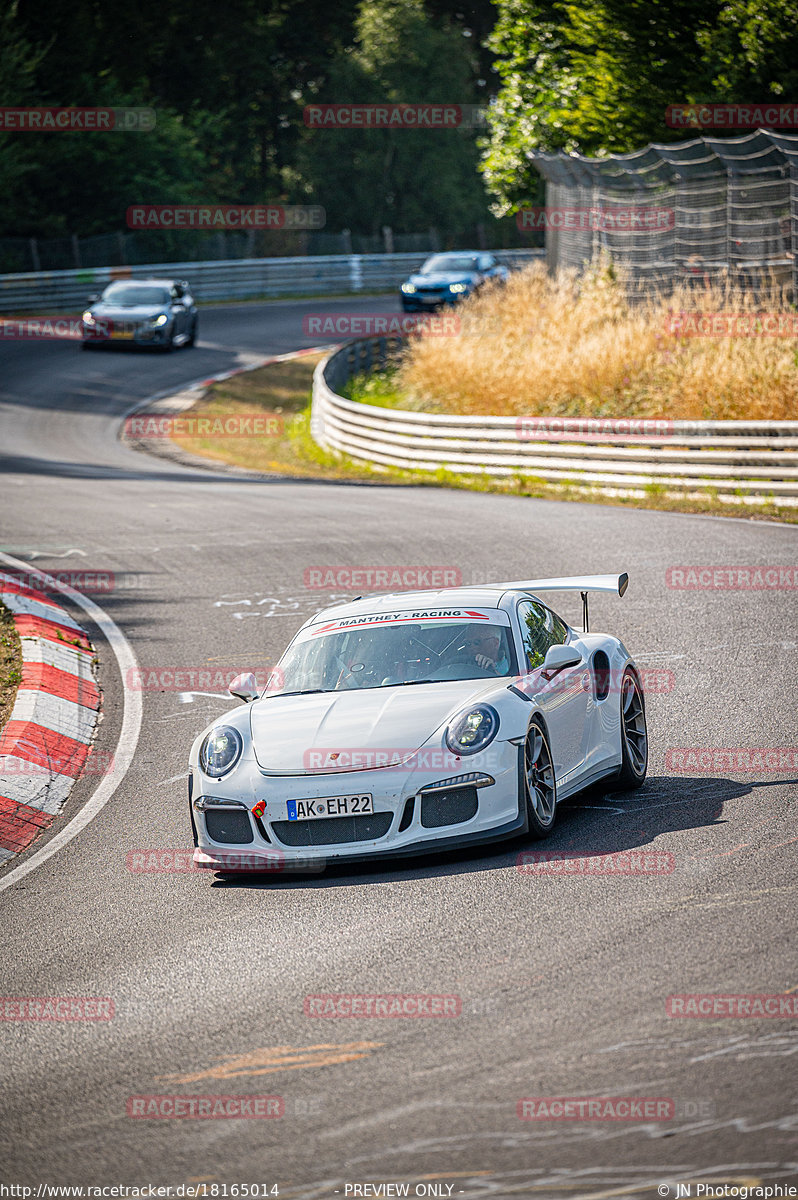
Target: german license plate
<point x="330" y="806"/>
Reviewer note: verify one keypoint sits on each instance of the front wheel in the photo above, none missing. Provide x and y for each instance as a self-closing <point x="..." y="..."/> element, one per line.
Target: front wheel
<point x="634" y="735"/>
<point x="540" y="785"/>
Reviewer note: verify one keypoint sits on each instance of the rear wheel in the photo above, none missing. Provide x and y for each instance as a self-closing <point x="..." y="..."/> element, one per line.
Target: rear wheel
<point x="634" y="735"/>
<point x="540" y="785"/>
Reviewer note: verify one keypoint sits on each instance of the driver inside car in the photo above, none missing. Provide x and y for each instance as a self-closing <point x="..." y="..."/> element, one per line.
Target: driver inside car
<point x="484" y="648"/>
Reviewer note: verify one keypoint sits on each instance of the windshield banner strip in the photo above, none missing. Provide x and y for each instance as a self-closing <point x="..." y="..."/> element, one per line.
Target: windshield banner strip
<point x="370" y="619"/>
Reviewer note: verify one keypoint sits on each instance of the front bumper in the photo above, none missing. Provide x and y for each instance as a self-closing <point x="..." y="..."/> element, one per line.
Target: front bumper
<point x="405" y="804"/>
<point x="128" y="334"/>
<point x="429" y="302"/>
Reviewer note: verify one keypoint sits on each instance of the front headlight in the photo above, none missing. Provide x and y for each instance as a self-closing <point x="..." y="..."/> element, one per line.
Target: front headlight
<point x="220" y="751"/>
<point x="472" y="730"/>
<point x="156" y="322"/>
<point x="88" y="319"/>
<point x="408" y="288"/>
<point x="458" y="287"/>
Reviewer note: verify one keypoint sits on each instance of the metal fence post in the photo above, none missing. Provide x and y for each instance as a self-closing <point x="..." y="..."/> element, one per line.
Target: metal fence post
<point x="355" y="273"/>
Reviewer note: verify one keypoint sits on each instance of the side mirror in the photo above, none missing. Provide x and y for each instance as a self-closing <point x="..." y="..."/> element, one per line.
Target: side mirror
<point x="558" y="658"/>
<point x="93" y="298"/>
<point x="245" y="687"/>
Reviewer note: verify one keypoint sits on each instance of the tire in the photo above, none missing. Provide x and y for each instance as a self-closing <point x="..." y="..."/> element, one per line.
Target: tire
<point x="169" y="346"/>
<point x="634" y="734"/>
<point x="193" y="335"/>
<point x="538" y="781"/>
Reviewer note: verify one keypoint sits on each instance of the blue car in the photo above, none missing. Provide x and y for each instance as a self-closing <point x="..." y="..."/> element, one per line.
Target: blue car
<point x="449" y="278"/>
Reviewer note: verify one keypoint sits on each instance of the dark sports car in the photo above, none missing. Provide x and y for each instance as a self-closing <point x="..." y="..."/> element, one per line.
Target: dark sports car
<point x="142" y="312"/>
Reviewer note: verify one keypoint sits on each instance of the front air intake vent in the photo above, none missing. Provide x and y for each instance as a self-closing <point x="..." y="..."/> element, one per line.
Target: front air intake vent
<point x="229" y="826"/>
<point x="333" y="830"/>
<point x="448" y="808"/>
<point x="407" y="815"/>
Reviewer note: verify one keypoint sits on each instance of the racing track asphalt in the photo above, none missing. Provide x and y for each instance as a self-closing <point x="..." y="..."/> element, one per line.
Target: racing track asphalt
<point x="563" y="980"/>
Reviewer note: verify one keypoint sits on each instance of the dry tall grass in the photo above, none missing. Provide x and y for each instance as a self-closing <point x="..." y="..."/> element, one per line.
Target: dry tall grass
<point x="557" y="346"/>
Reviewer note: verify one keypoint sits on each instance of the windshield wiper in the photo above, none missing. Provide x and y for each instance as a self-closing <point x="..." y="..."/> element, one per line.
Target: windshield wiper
<point x="411" y="682"/>
<point x="300" y="692"/>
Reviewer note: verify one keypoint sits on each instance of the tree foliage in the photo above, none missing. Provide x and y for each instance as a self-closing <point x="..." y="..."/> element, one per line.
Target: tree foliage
<point x="413" y="178"/>
<point x="598" y="78"/>
<point x="228" y="84"/>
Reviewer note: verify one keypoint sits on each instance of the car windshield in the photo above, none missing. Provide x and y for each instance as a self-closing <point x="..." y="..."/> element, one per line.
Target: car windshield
<point x="404" y="652"/>
<point x="449" y="262"/>
<point x="134" y="293"/>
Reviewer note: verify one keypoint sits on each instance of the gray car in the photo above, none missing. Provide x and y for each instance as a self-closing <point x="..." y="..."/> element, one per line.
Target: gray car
<point x="141" y="312"/>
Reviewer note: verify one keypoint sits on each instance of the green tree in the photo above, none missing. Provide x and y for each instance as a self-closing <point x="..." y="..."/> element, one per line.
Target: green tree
<point x="406" y="179"/>
<point x="18" y="65"/>
<point x="599" y="78"/>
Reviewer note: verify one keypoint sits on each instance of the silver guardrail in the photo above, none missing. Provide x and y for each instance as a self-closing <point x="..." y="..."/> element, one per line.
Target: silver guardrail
<point x="235" y="279"/>
<point x="740" y="461"/>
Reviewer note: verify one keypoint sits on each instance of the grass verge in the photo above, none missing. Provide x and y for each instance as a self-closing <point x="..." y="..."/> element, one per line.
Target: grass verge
<point x="586" y="347"/>
<point x="284" y="388"/>
<point x="10" y="663"/>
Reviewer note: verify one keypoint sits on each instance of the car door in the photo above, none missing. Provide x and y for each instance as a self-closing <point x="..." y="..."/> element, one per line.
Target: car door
<point x="564" y="699"/>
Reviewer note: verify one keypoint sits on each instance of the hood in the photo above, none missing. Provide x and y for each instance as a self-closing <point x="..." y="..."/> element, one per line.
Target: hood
<point x="442" y="279"/>
<point x="297" y="734"/>
<point x="126" y="312"/>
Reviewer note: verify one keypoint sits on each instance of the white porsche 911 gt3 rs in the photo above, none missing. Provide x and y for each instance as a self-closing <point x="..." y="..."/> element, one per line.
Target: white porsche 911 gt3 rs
<point x="399" y="724"/>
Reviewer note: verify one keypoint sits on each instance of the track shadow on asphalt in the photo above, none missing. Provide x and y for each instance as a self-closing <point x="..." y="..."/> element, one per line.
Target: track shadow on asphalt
<point x="19" y="464"/>
<point x="589" y="824"/>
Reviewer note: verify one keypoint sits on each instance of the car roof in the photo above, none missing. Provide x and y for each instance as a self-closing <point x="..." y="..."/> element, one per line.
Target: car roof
<point x="161" y="282"/>
<point x="454" y="253"/>
<point x="464" y="597"/>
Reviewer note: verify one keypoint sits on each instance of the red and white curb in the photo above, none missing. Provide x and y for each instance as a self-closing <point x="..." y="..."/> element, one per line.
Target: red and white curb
<point x="45" y="743"/>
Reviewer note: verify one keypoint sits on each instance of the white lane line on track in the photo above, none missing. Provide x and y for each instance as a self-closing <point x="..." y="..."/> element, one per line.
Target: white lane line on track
<point x="128" y="735"/>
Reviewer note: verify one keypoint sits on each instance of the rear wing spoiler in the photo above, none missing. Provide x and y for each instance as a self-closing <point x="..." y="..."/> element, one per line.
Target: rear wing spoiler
<point x="580" y="583"/>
